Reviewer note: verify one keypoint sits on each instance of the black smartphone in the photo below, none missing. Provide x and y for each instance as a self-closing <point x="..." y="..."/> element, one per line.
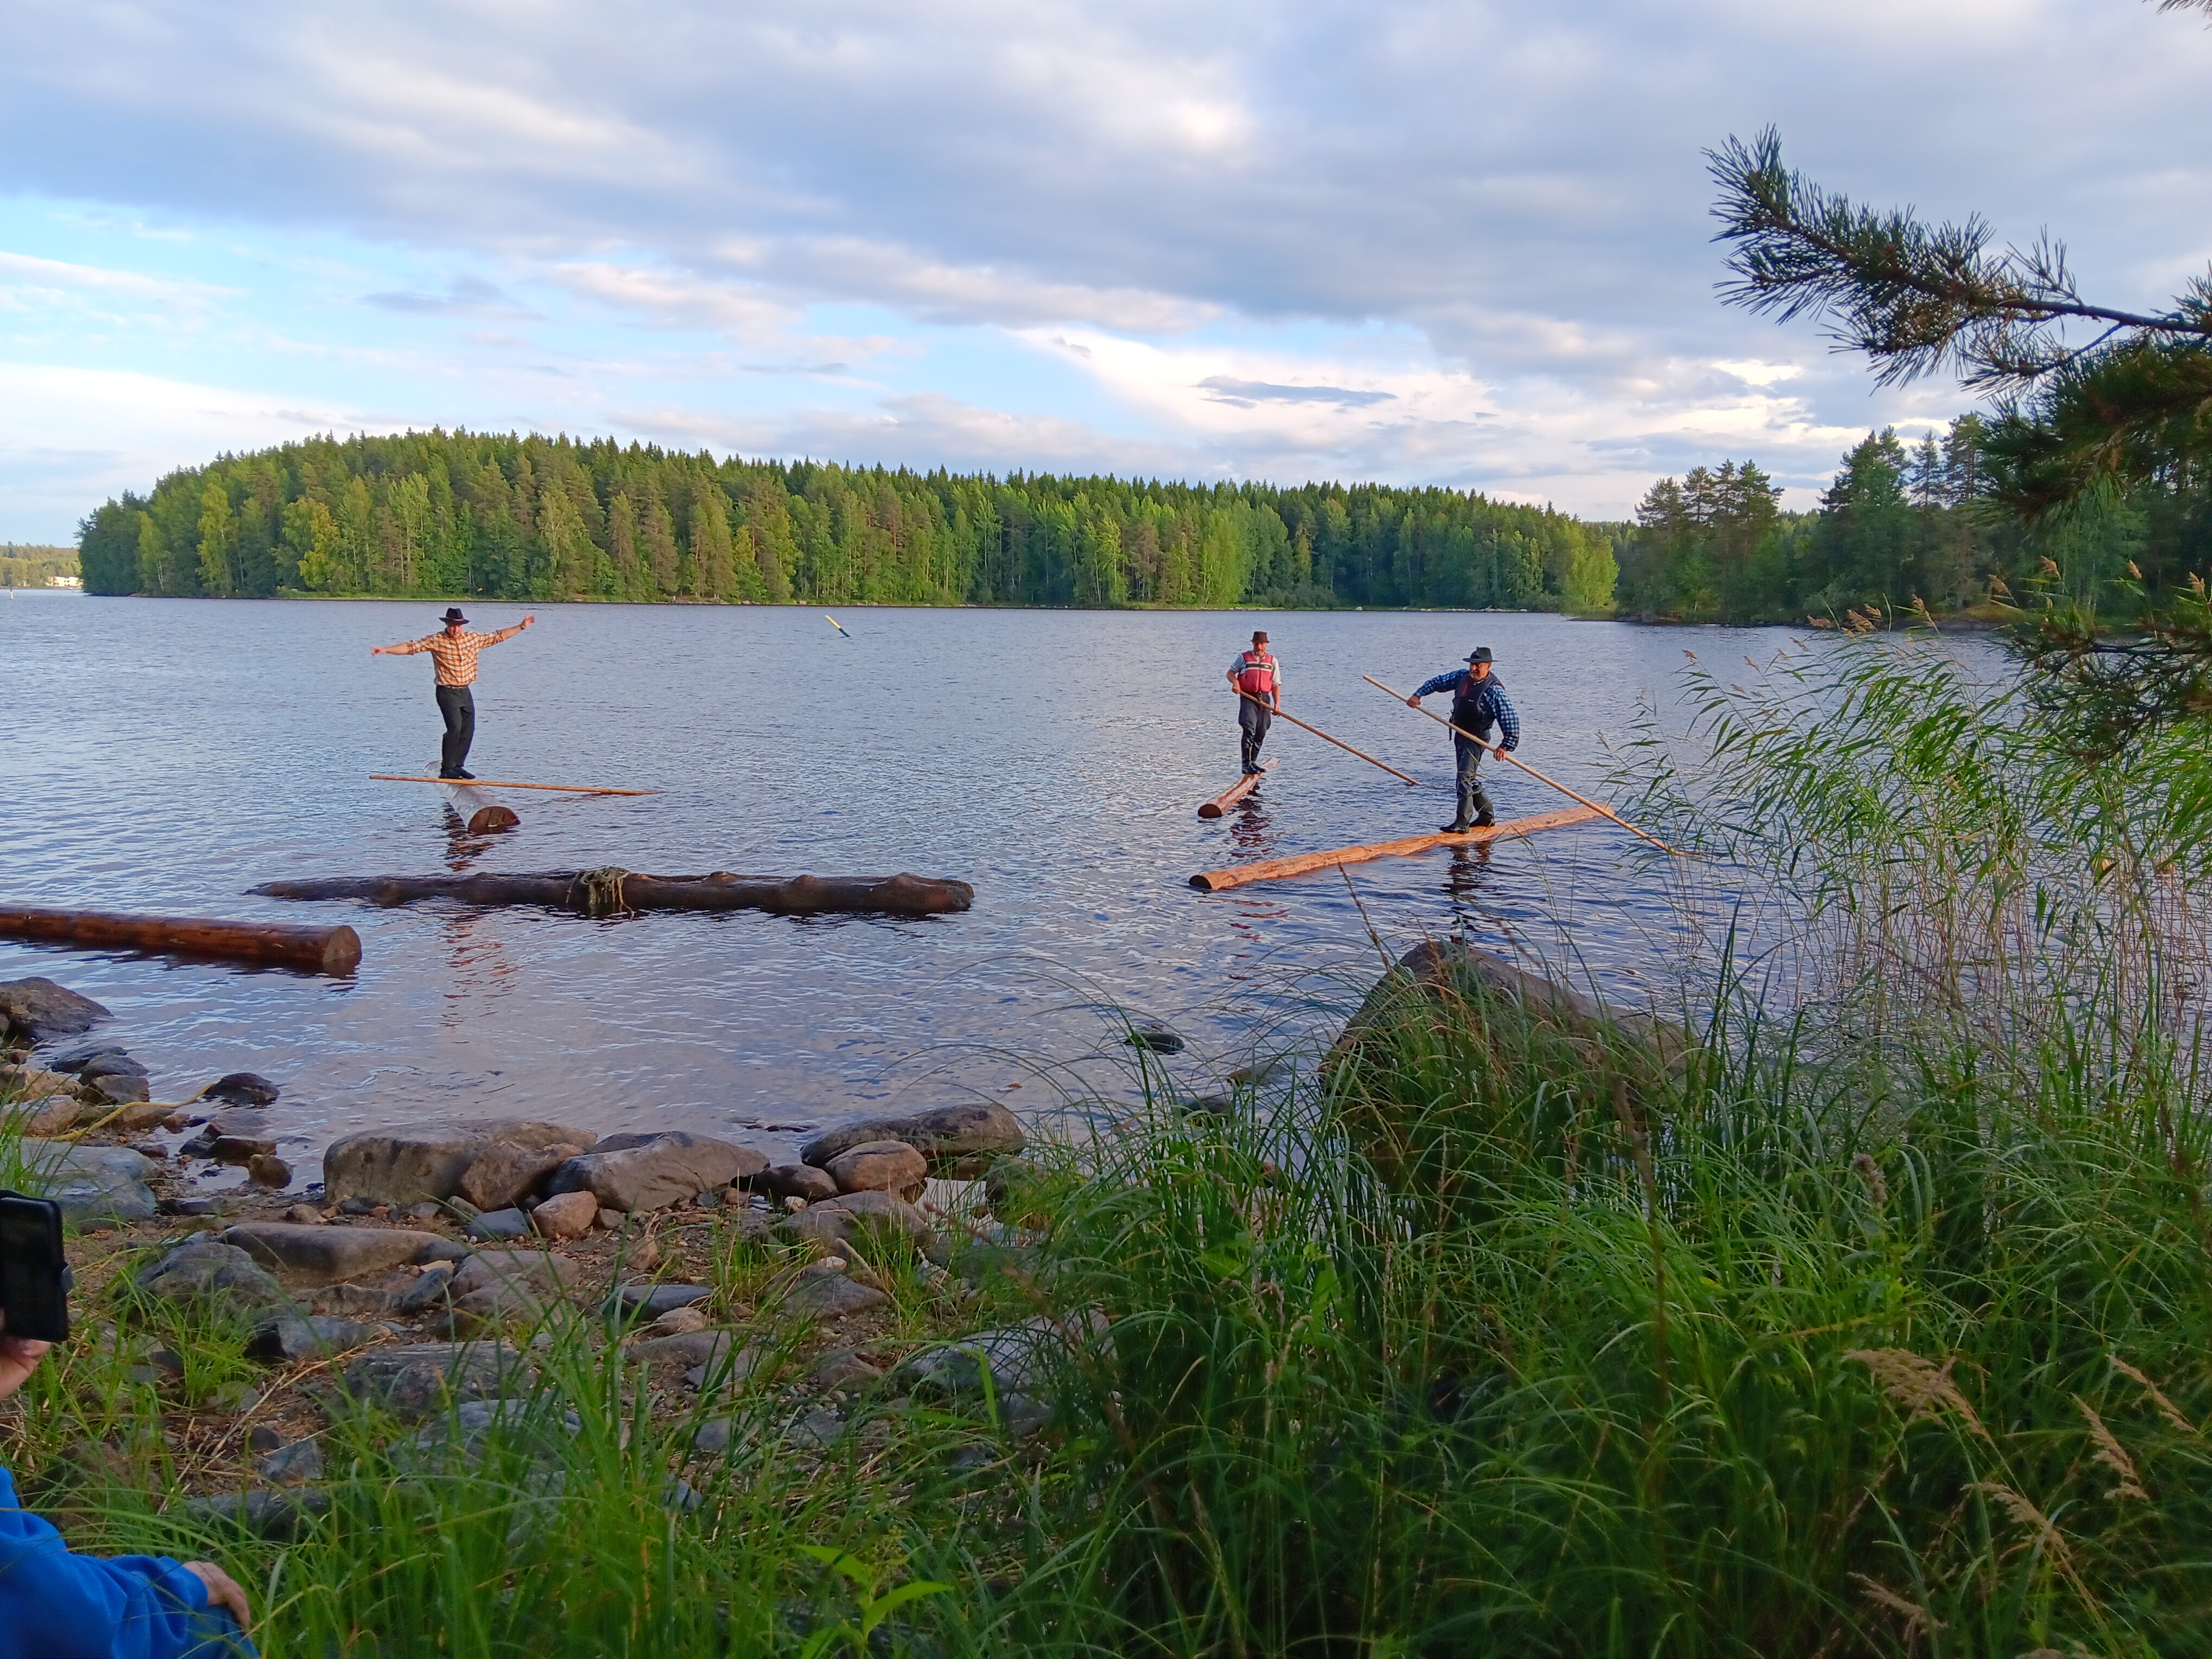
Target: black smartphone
<point x="34" y="1274"/>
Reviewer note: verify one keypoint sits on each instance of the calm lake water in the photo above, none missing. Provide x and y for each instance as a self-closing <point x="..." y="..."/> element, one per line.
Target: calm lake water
<point x="168" y="755"/>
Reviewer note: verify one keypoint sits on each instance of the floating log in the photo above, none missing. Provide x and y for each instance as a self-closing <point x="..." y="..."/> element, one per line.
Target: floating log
<point x="334" y="951"/>
<point x="486" y="817"/>
<point x="613" y="892"/>
<point x="1236" y="791"/>
<point x="1215" y="881"/>
<point x="497" y="783"/>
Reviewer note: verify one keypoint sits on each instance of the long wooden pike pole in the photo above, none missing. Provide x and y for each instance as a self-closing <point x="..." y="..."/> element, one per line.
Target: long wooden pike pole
<point x="1507" y="753"/>
<point x="488" y="783"/>
<point x="1323" y="736"/>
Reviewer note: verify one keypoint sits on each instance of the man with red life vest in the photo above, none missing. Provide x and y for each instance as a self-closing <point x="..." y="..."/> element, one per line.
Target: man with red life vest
<point x="1256" y="674"/>
<point x="1478" y="704"/>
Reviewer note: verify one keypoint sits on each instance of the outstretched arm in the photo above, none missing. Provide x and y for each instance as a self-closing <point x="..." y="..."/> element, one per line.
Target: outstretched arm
<point x="407" y="648"/>
<point x="508" y="633"/>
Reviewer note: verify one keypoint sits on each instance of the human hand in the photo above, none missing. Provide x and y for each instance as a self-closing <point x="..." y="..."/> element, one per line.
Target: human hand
<point x="1413" y="702"/>
<point x="526" y="621"/>
<point x="375" y="650"/>
<point x="223" y="1591"/>
<point x="19" y="1358"/>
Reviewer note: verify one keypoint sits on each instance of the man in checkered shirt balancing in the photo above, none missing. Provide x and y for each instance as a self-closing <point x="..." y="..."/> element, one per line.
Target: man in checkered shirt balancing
<point x="455" y="650"/>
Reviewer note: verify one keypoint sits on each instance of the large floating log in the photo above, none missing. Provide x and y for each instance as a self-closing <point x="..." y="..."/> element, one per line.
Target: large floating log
<point x="611" y="892"/>
<point x="1215" y="881"/>
<point x="335" y="950"/>
<point x="1236" y="791"/>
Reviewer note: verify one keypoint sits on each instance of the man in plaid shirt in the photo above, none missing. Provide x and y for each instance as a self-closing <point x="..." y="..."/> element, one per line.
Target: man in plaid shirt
<point x="455" y="650"/>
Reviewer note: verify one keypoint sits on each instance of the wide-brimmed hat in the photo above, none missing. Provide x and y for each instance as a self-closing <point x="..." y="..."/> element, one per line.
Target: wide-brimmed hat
<point x="453" y="614"/>
<point x="1480" y="654"/>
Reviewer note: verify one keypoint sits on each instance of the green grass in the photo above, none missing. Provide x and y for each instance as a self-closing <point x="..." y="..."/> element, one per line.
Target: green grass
<point x="1880" y="1324"/>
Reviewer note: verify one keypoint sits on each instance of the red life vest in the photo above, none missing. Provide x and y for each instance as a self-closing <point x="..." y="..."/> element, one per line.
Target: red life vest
<point x="1258" y="677"/>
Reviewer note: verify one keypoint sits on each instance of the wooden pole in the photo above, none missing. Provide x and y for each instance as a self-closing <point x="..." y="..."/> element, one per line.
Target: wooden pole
<point x="1237" y="791"/>
<point x="493" y="783"/>
<point x="1323" y="736"/>
<point x="333" y="951"/>
<point x="1507" y="753"/>
<point x="1215" y="881"/>
<point x="611" y="892"/>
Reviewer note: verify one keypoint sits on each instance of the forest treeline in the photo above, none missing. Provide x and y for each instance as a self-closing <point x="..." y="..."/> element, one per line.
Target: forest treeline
<point x="506" y="517"/>
<point x="1898" y="524"/>
<point x="29" y="564"/>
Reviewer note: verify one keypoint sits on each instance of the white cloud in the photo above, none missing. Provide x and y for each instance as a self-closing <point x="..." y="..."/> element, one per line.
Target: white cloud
<point x="1513" y="196"/>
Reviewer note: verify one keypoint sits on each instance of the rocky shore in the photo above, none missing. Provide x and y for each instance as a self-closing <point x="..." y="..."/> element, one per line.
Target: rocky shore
<point x="422" y="1278"/>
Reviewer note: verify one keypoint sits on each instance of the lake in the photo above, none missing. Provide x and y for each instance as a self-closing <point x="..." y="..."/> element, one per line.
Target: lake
<point x="168" y="755"/>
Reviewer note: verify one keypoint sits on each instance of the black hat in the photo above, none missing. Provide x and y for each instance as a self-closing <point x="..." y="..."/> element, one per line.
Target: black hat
<point x="1480" y="654"/>
<point x="453" y="614"/>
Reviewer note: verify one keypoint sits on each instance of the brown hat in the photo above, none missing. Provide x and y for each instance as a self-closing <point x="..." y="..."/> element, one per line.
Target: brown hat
<point x="1259" y="636"/>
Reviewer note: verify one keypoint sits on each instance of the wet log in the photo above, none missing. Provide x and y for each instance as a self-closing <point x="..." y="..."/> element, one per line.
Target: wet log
<point x="1215" y="881"/>
<point x="334" y="951"/>
<point x="1236" y="791"/>
<point x="614" y="892"/>
<point x="486" y="817"/>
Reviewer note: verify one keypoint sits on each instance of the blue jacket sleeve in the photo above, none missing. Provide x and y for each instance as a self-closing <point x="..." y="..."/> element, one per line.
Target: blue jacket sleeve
<point x="58" y="1605"/>
<point x="1509" y="722"/>
<point x="1443" y="682"/>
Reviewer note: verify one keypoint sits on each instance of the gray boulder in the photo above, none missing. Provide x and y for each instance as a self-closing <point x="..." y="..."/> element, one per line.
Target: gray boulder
<point x="427" y="1162"/>
<point x="958" y="1141"/>
<point x="505" y="1173"/>
<point x="95" y="1186"/>
<point x="867" y="1222"/>
<point x="495" y="1225"/>
<point x="288" y="1338"/>
<point x="218" y="1277"/>
<point x="242" y="1088"/>
<point x="293" y="1465"/>
<point x="651" y="1172"/>
<point x="880" y="1166"/>
<point x="797" y="1181"/>
<point x="41" y="1011"/>
<point x="825" y="1293"/>
<point x="643" y="1303"/>
<point x="319" y="1255"/>
<point x="417" y="1378"/>
<point x="1019" y="1357"/>
<point x="76" y="1059"/>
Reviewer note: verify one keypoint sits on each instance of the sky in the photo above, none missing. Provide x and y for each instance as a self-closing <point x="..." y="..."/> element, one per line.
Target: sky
<point x="1465" y="244"/>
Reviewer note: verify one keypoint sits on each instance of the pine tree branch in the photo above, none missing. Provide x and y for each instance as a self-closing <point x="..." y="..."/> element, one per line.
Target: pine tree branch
<point x="1911" y="295"/>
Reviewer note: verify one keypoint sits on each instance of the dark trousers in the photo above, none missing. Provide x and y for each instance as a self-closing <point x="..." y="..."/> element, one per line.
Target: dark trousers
<point x="1253" y="721"/>
<point x="1474" y="803"/>
<point x="458" y="705"/>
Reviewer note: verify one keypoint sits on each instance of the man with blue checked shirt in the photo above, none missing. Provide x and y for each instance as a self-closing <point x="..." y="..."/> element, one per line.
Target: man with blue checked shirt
<point x="1478" y="704"/>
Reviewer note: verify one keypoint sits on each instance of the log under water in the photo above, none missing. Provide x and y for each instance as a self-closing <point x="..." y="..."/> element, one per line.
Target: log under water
<point x="611" y="892"/>
<point x="334" y="951"/>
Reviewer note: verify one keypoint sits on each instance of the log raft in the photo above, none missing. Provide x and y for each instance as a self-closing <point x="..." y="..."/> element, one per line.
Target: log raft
<point x="333" y="951"/>
<point x="1236" y="791"/>
<point x="614" y="892"/>
<point x="1215" y="881"/>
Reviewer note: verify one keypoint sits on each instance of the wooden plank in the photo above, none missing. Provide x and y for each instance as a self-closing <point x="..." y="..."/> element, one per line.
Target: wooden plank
<point x="497" y="783"/>
<point x="1215" y="881"/>
<point x="1236" y="791"/>
<point x="334" y="951"/>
